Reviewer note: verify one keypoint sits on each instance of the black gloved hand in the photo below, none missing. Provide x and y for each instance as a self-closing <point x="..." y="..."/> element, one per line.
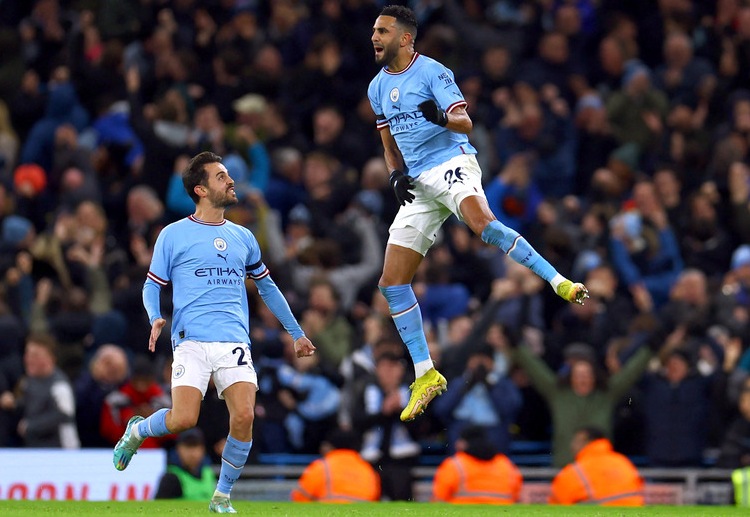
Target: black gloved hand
<point x="433" y="113"/>
<point x="402" y="184"/>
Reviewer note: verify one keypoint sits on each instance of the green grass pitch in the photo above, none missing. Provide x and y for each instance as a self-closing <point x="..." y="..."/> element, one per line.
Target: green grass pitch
<point x="274" y="509"/>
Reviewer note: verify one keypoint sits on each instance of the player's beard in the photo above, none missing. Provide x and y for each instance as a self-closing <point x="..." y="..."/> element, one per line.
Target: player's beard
<point x="389" y="54"/>
<point x="223" y="199"/>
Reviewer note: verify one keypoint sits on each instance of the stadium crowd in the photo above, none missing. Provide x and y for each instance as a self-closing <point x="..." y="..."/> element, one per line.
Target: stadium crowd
<point x="614" y="135"/>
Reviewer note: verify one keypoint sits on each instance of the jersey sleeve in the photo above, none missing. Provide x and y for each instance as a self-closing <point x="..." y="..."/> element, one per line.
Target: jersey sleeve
<point x="444" y="87"/>
<point x="254" y="266"/>
<point x="161" y="261"/>
<point x="372" y="94"/>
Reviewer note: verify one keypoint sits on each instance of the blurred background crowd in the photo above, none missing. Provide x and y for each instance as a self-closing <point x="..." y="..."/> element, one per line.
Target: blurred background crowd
<point x="614" y="136"/>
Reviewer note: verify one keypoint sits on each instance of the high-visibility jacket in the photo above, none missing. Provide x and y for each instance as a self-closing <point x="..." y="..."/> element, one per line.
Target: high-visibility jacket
<point x="463" y="478"/>
<point x="741" y="484"/>
<point x="341" y="476"/>
<point x="193" y="488"/>
<point x="599" y="475"/>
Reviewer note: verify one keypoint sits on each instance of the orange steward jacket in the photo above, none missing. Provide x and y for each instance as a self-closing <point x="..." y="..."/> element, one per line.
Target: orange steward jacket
<point x="599" y="475"/>
<point x="341" y="476"/>
<point x="462" y="478"/>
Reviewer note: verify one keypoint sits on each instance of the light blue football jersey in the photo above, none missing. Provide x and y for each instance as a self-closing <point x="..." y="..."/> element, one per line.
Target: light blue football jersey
<point x="207" y="264"/>
<point x="395" y="98"/>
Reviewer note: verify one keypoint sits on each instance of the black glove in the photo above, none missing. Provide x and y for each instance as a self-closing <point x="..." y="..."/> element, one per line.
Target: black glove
<point x="402" y="184"/>
<point x="433" y="113"/>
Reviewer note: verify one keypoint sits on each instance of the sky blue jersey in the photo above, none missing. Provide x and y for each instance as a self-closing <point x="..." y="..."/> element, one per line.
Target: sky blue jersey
<point x="394" y="98"/>
<point x="207" y="264"/>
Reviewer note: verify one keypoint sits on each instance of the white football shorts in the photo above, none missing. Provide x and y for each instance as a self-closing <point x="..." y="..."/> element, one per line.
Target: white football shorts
<point x="438" y="193"/>
<point x="194" y="362"/>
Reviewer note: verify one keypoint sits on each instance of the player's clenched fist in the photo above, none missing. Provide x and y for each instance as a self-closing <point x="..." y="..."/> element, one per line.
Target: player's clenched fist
<point x="401" y="185"/>
<point x="303" y="347"/>
<point x="434" y="113"/>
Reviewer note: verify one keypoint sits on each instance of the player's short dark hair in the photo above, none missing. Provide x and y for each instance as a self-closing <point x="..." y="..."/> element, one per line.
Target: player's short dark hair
<point x="404" y="17"/>
<point x="195" y="173"/>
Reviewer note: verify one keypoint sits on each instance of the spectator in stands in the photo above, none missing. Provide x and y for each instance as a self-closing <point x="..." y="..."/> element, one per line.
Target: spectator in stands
<point x="705" y="242"/>
<point x="12" y="335"/>
<point x="441" y="298"/>
<point x="106" y="372"/>
<point x="310" y="397"/>
<point x="9" y="143"/>
<point x="690" y="308"/>
<point x="687" y="139"/>
<point x="45" y="400"/>
<point x="140" y="395"/>
<point x="735" y="449"/>
<point x="670" y="187"/>
<point x="637" y="111"/>
<point x="605" y="316"/>
<point x="328" y="260"/>
<point x="539" y="123"/>
<point x="682" y="75"/>
<point x="582" y="395"/>
<point x="598" y="476"/>
<point x="596" y="141"/>
<point x="677" y="401"/>
<point x="476" y="473"/>
<point x="480" y="397"/>
<point x="189" y="476"/>
<point x="324" y="322"/>
<point x="732" y="301"/>
<point x="341" y="475"/>
<point x="513" y="195"/>
<point x="553" y="66"/>
<point x="331" y="136"/>
<point x="613" y="53"/>
<point x="644" y="249"/>
<point x="739" y="198"/>
<point x="164" y="138"/>
<point x="63" y="107"/>
<point x="387" y="443"/>
<point x="358" y="367"/>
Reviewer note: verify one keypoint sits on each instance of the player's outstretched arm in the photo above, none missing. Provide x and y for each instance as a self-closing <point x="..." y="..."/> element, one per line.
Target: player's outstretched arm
<point x="303" y="347"/>
<point x="278" y="305"/>
<point x="156" y="327"/>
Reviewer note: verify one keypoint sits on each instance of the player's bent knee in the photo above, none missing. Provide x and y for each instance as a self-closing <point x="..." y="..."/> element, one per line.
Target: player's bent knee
<point x="243" y="419"/>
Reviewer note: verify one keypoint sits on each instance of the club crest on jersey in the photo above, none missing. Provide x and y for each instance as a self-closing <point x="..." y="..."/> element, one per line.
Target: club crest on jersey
<point x="179" y="371"/>
<point x="220" y="244"/>
<point x="394" y="95"/>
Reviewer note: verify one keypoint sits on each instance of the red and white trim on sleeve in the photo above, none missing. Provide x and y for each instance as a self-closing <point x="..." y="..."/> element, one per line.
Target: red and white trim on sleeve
<point x="382" y="125"/>
<point x="457" y="104"/>
<point x="156" y="279"/>
<point x="262" y="275"/>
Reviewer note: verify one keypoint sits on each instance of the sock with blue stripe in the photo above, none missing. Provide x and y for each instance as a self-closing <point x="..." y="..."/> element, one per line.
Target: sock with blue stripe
<point x="233" y="459"/>
<point x="514" y="245"/>
<point x="154" y="425"/>
<point x="408" y="319"/>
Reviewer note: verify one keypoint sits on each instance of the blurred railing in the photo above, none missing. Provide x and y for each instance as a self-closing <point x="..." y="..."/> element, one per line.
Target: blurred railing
<point x="275" y="475"/>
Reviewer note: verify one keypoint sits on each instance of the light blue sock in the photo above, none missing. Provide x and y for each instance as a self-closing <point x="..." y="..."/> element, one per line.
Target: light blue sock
<point x="233" y="459"/>
<point x="155" y="425"/>
<point x="514" y="245"/>
<point x="408" y="319"/>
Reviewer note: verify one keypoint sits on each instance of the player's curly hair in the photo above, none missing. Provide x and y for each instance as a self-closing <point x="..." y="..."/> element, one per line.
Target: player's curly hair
<point x="195" y="173"/>
<point x="404" y="17"/>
